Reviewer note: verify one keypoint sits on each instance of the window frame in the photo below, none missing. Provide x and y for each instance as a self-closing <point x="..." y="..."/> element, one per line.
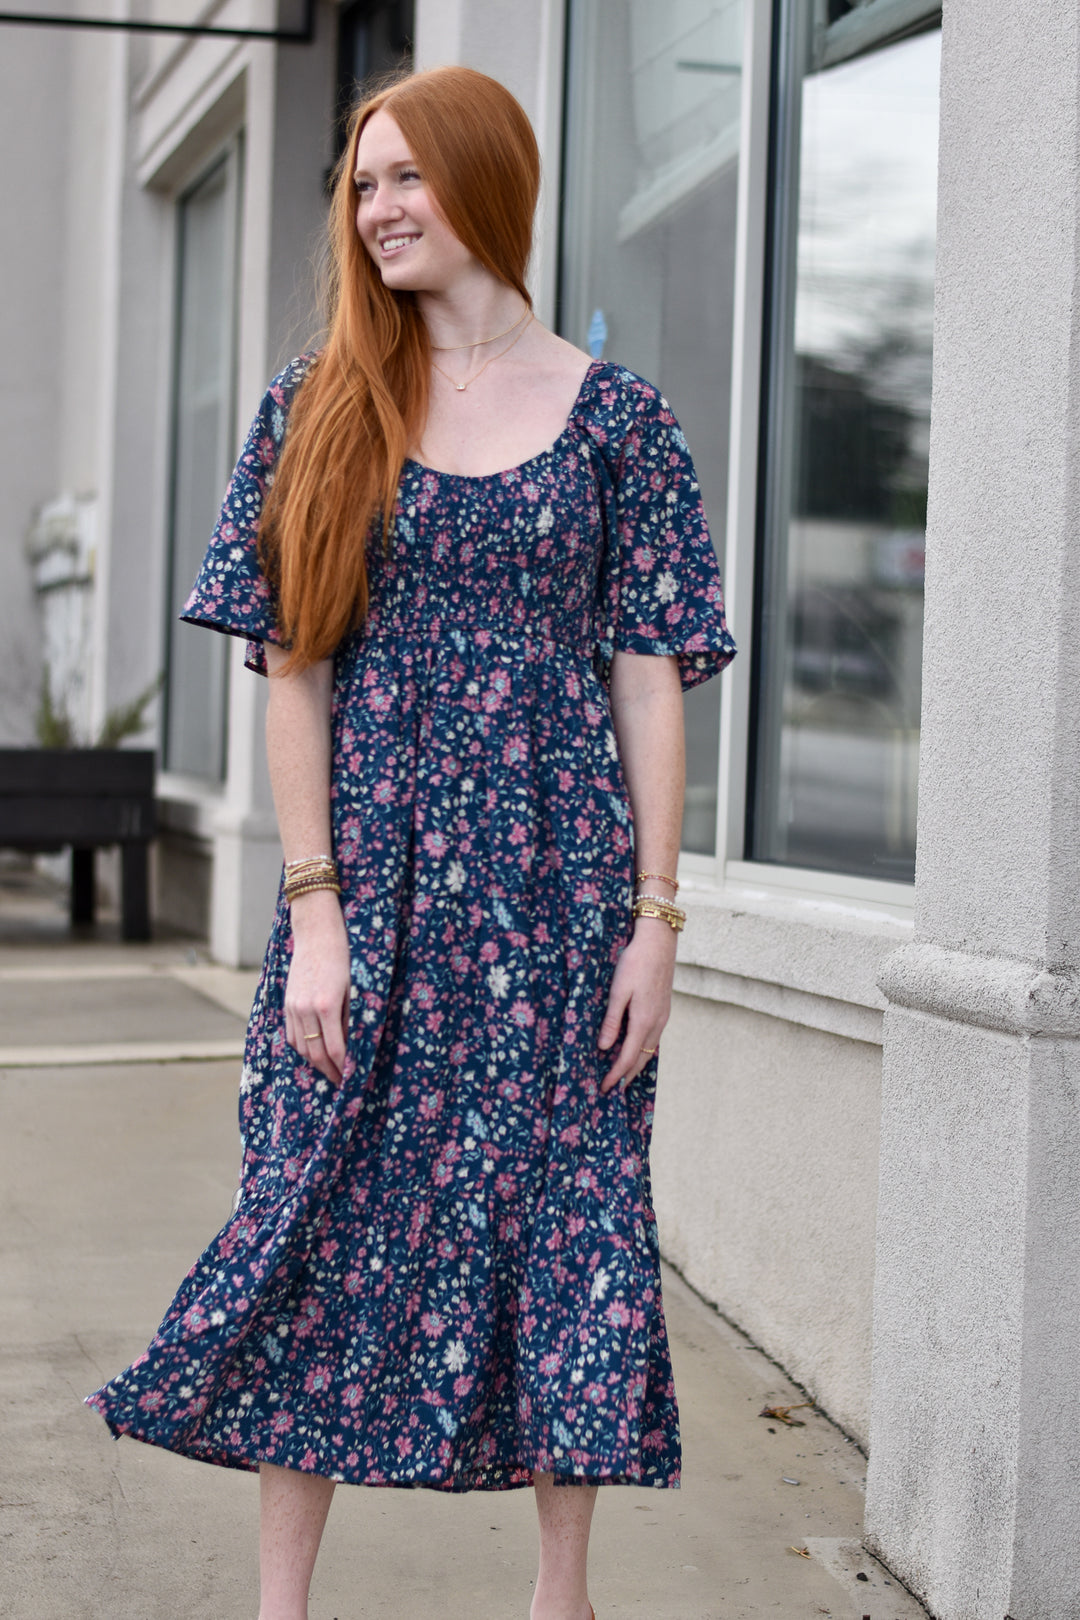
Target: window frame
<point x="764" y="93"/>
<point x="230" y="155"/>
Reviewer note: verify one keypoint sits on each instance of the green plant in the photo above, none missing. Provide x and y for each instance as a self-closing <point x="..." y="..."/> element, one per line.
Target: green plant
<point x="128" y="718"/>
<point x="52" y="725"/>
<point x="55" y="728"/>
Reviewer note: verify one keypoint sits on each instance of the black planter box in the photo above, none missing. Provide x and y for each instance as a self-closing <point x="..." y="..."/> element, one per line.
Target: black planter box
<point x="85" y="798"/>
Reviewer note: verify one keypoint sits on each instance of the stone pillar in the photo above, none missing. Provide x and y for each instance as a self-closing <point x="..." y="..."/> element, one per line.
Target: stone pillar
<point x="974" y="1481"/>
<point x="290" y="92"/>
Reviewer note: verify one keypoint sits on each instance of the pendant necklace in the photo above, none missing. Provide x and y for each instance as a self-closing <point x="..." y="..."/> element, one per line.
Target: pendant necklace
<point x="461" y="386"/>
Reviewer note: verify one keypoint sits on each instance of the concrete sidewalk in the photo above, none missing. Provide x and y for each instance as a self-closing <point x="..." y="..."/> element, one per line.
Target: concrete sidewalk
<point x="115" y="1173"/>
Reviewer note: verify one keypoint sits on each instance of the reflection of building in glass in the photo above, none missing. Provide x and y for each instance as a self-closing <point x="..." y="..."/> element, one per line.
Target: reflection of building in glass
<point x="839" y="659"/>
<point x="654" y="107"/>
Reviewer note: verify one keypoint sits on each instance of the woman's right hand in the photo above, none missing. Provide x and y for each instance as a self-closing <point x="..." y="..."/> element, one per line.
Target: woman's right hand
<point x="319" y="983"/>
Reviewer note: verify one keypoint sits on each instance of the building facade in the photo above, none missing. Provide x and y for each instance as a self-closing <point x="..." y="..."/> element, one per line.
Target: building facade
<point x="800" y="218"/>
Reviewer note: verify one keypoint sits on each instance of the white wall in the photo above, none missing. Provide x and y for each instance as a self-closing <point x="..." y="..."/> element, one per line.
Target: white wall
<point x="34" y="205"/>
<point x="765" y="1179"/>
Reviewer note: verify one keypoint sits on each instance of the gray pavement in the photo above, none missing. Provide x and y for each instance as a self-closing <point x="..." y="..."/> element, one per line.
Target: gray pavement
<point x="114" y="1175"/>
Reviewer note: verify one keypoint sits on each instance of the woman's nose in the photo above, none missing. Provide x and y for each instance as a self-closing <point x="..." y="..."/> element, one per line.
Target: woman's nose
<point x="384" y="205"/>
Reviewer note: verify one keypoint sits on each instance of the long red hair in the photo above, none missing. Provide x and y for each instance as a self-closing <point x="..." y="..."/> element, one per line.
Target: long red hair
<point x="363" y="403"/>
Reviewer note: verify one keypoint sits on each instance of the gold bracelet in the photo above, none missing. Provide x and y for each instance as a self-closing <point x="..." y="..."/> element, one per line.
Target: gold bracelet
<point x="304" y="877"/>
<point x="643" y="877"/>
<point x="311" y="861"/>
<point x="293" y="891"/>
<point x="658" y="900"/>
<point x="663" y="910"/>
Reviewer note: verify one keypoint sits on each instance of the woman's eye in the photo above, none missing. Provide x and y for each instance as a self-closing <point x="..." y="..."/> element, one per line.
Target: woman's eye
<point x="408" y="174"/>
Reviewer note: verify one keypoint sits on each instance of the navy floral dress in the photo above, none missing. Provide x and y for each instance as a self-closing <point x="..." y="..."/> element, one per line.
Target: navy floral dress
<point x="445" y="1272"/>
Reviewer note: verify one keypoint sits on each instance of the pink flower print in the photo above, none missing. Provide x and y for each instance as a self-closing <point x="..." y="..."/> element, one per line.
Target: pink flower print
<point x="443" y="1170"/>
<point x="308" y="1317"/>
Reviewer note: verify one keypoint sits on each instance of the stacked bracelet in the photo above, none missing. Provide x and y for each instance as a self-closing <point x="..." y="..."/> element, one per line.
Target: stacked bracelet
<point x="304" y="877"/>
<point x="651" y="905"/>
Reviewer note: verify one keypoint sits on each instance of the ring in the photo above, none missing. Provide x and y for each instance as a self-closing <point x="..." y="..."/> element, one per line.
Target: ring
<point x="650" y="1051"/>
<point x="315" y="1035"/>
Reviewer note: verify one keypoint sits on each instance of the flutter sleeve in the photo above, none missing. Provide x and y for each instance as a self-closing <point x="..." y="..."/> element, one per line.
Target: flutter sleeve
<point x="231" y="592"/>
<point x="660" y="590"/>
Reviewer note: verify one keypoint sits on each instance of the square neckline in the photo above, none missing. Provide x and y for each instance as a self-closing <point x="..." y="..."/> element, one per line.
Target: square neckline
<point x="520" y="466"/>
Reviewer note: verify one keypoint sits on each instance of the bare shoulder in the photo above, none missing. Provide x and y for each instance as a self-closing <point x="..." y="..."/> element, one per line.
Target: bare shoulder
<point x="562" y="363"/>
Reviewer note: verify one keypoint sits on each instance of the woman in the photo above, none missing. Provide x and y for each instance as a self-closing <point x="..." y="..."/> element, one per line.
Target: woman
<point x="442" y="1267"/>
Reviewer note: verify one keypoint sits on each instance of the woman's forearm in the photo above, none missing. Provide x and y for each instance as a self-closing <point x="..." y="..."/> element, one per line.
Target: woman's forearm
<point x="298" y="754"/>
<point x="647" y="710"/>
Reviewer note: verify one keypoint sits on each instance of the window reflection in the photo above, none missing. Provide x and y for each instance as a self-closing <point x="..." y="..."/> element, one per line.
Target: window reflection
<point x="840" y="622"/>
<point x="648" y="266"/>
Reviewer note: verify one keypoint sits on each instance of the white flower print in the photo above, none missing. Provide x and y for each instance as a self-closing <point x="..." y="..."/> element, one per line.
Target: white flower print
<point x="498" y="980"/>
<point x="545" y="521"/>
<point x="455" y="877"/>
<point x="454" y="1356"/>
<point x="600" y="1283"/>
<point x="667" y="587"/>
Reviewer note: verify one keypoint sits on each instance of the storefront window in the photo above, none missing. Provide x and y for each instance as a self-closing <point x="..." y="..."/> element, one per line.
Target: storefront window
<point x="375" y="37"/>
<point x="648" y="259"/>
<point x="834" y="769"/>
<point x="202" y="455"/>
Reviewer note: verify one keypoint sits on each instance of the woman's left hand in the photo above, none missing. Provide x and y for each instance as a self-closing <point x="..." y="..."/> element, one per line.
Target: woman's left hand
<point x="640" y="990"/>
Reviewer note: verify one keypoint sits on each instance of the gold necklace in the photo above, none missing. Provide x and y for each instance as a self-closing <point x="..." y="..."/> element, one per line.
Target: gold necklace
<point x="461" y="386"/>
<point x="453" y="348"/>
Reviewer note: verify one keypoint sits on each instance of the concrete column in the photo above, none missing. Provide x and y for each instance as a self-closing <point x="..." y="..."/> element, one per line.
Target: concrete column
<point x="974" y="1482"/>
<point x="290" y="93"/>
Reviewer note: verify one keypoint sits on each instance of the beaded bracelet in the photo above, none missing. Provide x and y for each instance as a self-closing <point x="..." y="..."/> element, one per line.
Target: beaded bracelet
<point x="304" y="877"/>
<point x="292" y="894"/>
<point x="664" y="910"/>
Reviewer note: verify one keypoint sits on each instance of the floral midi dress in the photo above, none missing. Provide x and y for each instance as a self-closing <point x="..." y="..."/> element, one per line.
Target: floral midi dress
<point x="445" y="1271"/>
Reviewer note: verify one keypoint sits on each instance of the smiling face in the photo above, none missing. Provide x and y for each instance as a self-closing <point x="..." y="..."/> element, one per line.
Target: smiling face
<point x="396" y="216"/>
